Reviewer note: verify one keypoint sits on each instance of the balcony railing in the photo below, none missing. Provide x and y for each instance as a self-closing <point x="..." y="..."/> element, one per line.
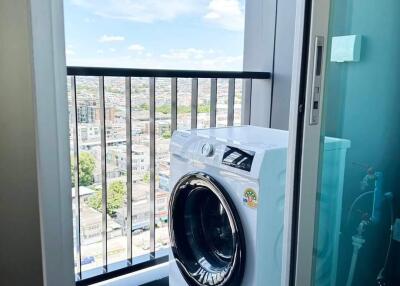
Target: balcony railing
<point x="120" y="124"/>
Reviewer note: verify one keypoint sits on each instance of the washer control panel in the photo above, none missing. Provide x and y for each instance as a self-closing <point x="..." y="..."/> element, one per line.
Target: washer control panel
<point x="238" y="158"/>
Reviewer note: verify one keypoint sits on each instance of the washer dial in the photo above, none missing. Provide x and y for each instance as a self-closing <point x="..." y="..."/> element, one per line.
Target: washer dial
<point x="207" y="150"/>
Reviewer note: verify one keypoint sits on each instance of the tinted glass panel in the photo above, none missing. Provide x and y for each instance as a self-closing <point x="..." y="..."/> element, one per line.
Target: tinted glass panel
<point x="359" y="166"/>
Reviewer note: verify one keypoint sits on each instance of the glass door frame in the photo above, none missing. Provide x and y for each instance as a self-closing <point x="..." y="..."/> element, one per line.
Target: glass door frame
<point x="312" y="20"/>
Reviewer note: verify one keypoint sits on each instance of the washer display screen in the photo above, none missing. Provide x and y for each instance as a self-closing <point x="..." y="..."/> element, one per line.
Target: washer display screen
<point x="238" y="158"/>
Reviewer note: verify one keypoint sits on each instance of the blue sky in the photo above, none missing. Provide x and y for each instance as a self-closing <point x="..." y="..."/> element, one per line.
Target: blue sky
<point x="175" y="34"/>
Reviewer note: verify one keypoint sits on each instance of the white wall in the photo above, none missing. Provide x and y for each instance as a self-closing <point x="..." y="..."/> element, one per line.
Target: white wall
<point x="258" y="55"/>
<point x="268" y="47"/>
<point x="35" y="199"/>
<point x="20" y="246"/>
<point x="283" y="59"/>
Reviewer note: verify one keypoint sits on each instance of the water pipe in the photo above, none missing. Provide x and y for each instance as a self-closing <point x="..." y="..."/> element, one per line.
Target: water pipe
<point x="378" y="198"/>
<point x="358" y="241"/>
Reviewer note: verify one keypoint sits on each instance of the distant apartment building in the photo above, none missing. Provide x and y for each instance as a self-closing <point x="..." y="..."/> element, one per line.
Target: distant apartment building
<point x="141" y="211"/>
<point x="91" y="226"/>
<point x="116" y="156"/>
<point x="162" y="198"/>
<point x="90" y="219"/>
<point x="88" y="111"/>
<point x="86" y="114"/>
<point x="89" y="132"/>
<point x="140" y="159"/>
<point x="163" y="169"/>
<point x="141" y="207"/>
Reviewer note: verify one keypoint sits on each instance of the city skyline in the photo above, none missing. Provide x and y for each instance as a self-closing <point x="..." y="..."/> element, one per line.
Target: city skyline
<point x="89" y="154"/>
<point x="178" y="34"/>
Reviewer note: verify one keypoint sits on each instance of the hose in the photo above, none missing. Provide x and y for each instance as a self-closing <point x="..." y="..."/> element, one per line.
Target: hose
<point x="381" y="275"/>
<point x="356" y="200"/>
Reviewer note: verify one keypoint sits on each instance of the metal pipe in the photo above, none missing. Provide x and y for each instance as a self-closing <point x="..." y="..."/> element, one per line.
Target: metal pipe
<point x="103" y="170"/>
<point x="152" y="107"/>
<point x="213" y="103"/>
<point x="194" y="102"/>
<point x="76" y="181"/>
<point x="174" y="104"/>
<point x="231" y="102"/>
<point x="128" y="108"/>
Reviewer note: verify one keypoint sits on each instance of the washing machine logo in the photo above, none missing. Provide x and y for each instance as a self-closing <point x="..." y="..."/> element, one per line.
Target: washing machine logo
<point x="250" y="198"/>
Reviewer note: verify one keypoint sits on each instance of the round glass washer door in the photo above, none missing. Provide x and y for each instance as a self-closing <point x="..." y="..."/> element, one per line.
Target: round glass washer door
<point x="207" y="238"/>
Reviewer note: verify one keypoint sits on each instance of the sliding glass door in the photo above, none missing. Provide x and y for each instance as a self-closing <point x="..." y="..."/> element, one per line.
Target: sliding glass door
<point x="346" y="183"/>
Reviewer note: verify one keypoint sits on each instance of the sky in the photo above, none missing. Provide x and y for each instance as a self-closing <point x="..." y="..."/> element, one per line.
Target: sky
<point x="172" y="34"/>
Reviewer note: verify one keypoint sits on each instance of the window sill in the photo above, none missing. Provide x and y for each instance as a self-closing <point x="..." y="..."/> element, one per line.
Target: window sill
<point x="147" y="277"/>
<point x="142" y="266"/>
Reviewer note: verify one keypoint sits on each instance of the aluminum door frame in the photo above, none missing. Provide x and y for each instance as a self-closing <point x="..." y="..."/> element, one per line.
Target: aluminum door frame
<point x="312" y="21"/>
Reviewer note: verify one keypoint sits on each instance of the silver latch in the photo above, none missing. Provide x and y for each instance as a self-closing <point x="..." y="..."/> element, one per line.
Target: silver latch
<point x="317" y="76"/>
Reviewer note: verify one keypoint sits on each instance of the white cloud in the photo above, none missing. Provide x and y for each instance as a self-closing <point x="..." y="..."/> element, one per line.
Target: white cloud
<point x="229" y="14"/>
<point x="88" y="20"/>
<point x="110" y="39"/>
<point x="190" y="58"/>
<point x="204" y="59"/>
<point x="226" y="63"/>
<point x="188" y="54"/>
<point x="146" y="11"/>
<point x="69" y="51"/>
<point x="136" y="48"/>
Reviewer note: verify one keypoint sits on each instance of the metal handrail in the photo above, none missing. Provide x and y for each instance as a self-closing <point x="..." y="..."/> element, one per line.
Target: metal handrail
<point x="129" y="72"/>
<point x="152" y="74"/>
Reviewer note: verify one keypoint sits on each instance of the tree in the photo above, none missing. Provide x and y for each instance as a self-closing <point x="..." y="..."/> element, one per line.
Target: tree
<point x="203" y="108"/>
<point x="146" y="178"/>
<point x="184" y="109"/>
<point x="164" y="109"/>
<point x="87" y="164"/>
<point x="116" y="194"/>
<point x="166" y="134"/>
<point x="144" y="106"/>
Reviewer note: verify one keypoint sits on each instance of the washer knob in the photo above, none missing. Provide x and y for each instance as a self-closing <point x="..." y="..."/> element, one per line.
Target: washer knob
<point x="207" y="150"/>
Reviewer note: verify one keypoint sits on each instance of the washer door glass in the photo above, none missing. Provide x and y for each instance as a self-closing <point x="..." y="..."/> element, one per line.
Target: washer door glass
<point x="206" y="234"/>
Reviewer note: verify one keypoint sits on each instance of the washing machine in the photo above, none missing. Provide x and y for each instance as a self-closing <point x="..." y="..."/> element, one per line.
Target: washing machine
<point x="226" y="206"/>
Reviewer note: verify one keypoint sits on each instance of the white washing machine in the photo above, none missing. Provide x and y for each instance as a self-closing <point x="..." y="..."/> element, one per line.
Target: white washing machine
<point x="226" y="206"/>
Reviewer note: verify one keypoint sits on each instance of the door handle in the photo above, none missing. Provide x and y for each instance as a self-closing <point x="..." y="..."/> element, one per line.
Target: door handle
<point x="316" y="81"/>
